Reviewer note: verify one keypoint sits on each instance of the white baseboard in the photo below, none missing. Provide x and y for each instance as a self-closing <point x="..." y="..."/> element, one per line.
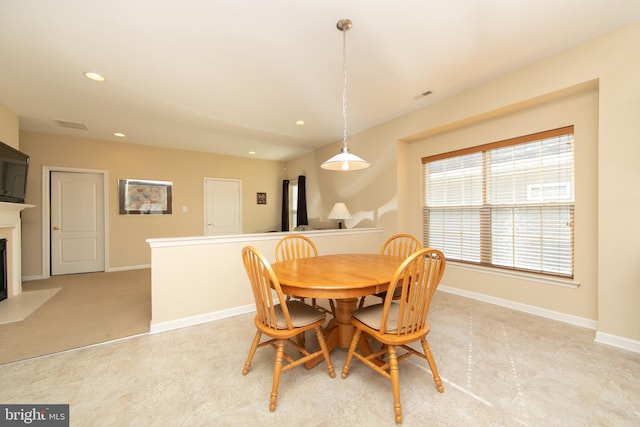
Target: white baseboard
<point x="616" y="341"/>
<point x="200" y="318"/>
<point x="525" y="308"/>
<point x="29" y="278"/>
<point x="108" y="270"/>
<point x="128" y="267"/>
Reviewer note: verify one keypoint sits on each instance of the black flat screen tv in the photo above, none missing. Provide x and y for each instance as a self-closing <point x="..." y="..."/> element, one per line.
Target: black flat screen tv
<point x="14" y="165"/>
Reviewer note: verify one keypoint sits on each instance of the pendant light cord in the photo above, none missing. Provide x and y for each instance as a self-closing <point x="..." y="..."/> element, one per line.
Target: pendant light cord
<point x="344" y="160"/>
<point x="344" y="86"/>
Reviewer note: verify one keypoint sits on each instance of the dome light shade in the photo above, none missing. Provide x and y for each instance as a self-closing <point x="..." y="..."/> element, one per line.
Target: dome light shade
<point x="345" y="161"/>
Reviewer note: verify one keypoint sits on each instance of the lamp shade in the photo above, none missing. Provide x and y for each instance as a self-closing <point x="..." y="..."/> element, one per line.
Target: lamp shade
<point x="339" y="211"/>
<point x="345" y="161"/>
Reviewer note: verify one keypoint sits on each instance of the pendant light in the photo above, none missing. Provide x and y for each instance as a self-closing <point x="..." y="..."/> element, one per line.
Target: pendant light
<point x="344" y="161"/>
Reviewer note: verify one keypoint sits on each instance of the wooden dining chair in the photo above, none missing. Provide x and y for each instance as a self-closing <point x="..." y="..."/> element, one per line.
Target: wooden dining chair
<point x="401" y="245"/>
<point x="397" y="323"/>
<point x="297" y="246"/>
<point x="280" y="320"/>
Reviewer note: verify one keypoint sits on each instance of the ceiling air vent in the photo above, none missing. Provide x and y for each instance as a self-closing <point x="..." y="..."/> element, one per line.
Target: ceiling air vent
<point x="71" y="125"/>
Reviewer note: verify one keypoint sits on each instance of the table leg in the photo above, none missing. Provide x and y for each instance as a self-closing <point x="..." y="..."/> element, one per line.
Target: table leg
<point x="343" y="319"/>
<point x="339" y="331"/>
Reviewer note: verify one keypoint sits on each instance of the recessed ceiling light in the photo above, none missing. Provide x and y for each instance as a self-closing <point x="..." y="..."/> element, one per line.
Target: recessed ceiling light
<point x="95" y="76"/>
<point x="252" y="152"/>
<point x="300" y="122"/>
<point x="119" y="134"/>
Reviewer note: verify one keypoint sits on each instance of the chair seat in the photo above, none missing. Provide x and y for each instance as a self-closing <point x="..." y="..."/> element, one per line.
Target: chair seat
<point x="300" y="313"/>
<point x="372" y="317"/>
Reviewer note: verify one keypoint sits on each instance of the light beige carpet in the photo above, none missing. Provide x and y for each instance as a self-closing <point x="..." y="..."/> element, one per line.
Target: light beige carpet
<point x="88" y="309"/>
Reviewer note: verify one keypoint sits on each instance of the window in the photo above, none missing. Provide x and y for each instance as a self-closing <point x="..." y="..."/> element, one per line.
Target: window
<point x="293" y="204"/>
<point x="508" y="204"/>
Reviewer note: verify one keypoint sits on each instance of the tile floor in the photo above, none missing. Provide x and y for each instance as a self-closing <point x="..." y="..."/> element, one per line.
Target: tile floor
<point x="499" y="367"/>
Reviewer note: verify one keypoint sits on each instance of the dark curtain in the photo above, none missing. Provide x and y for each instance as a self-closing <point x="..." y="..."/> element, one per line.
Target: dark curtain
<point x="285" y="205"/>
<point x="302" y="201"/>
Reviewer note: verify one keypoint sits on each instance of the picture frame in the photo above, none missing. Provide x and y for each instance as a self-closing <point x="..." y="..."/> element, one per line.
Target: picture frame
<point x="261" y="198"/>
<point x="144" y="197"/>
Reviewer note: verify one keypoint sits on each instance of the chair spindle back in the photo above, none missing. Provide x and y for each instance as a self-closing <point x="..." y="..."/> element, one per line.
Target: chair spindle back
<point x="418" y="278"/>
<point x="264" y="285"/>
<point x="295" y="246"/>
<point x="401" y="245"/>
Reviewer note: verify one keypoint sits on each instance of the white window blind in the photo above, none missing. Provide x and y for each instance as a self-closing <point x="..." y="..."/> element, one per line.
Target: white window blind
<point x="508" y="204"/>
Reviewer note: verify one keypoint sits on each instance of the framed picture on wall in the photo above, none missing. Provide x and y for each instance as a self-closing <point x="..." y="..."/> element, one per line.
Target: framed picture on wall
<point x="261" y="198"/>
<point x="144" y="197"/>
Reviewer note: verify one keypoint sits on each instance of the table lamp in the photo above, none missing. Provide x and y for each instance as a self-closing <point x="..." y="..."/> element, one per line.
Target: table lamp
<point x="339" y="211"/>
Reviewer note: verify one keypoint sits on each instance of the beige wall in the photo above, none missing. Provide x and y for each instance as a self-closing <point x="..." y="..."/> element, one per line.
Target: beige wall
<point x="619" y="203"/>
<point x="388" y="192"/>
<point x="371" y="194"/>
<point x="127" y="233"/>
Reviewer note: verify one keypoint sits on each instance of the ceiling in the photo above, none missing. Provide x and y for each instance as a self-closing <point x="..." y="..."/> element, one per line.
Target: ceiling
<point x="233" y="76"/>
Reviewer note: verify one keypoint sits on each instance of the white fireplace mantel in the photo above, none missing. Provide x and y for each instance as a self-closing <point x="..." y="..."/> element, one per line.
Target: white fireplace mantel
<point x="10" y="213"/>
<point x="10" y="218"/>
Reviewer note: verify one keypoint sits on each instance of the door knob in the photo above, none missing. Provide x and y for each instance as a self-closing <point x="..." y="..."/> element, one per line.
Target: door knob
<point x="56" y="228"/>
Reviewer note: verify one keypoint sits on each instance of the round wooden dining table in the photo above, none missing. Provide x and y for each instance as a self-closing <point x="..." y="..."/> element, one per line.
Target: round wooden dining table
<point x="343" y="277"/>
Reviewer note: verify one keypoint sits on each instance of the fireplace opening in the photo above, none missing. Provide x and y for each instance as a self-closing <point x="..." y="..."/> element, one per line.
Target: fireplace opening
<point x="3" y="269"/>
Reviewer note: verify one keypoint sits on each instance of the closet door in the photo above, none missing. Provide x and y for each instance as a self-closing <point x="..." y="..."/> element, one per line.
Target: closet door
<point x="77" y="222"/>
<point x="223" y="206"/>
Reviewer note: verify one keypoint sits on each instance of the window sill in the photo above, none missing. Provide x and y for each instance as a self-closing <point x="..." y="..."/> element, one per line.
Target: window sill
<point x="521" y="275"/>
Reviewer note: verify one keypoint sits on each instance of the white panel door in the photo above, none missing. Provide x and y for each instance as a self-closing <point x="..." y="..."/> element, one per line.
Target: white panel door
<point x="223" y="207"/>
<point x="77" y="222"/>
